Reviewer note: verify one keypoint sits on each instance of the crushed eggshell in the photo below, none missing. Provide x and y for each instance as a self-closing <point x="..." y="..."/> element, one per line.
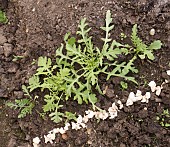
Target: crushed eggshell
<point x="36" y="141"/>
<point x="85" y="118"/>
<point x="146" y="97"/>
<point x="62" y="130"/>
<point x="79" y="119"/>
<point x="51" y="135"/>
<point x="138" y="96"/>
<point x="47" y="139"/>
<point x="129" y="102"/>
<point x="120" y="104"/>
<point x="113" y="111"/>
<point x="66" y="126"/>
<point x="155" y="88"/>
<point x="158" y="90"/>
<point x="138" y="93"/>
<point x="56" y="130"/>
<point x="152" y="32"/>
<point x="75" y="126"/>
<point x="83" y="125"/>
<point x="152" y="85"/>
<point x="168" y="72"/>
<point x="130" y="99"/>
<point x="90" y="113"/>
<point x="101" y="115"/>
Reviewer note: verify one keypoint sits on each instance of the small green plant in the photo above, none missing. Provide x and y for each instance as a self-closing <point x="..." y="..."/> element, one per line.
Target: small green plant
<point x="123" y="85"/>
<point x="122" y="36"/>
<point x="164" y="118"/>
<point x="3" y="18"/>
<point x="140" y="48"/>
<point x="16" y="58"/>
<point x="24" y="105"/>
<point x="74" y="74"/>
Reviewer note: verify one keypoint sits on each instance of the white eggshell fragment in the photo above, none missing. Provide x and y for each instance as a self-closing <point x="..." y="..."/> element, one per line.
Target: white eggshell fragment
<point x="152" y="32"/>
<point x="152" y="85"/>
<point x="168" y="72"/>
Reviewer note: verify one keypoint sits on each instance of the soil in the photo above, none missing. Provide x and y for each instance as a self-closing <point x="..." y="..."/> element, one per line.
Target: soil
<point x="36" y="28"/>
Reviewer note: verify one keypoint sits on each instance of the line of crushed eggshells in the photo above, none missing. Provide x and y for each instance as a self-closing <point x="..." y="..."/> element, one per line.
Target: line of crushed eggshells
<point x="112" y="113"/>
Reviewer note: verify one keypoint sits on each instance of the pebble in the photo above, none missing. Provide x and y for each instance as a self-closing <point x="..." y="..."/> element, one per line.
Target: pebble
<point x="152" y="32"/>
<point x="1" y="50"/>
<point x="2" y="93"/>
<point x="158" y="100"/>
<point x="8" y="48"/>
<point x="18" y="94"/>
<point x="13" y="68"/>
<point x="2" y="39"/>
<point x="168" y="72"/>
<point x="64" y="136"/>
<point x="49" y="37"/>
<point x="2" y="69"/>
<point x="12" y="142"/>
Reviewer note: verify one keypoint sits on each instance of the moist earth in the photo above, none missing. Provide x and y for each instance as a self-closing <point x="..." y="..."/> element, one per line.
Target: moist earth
<point x="36" y="28"/>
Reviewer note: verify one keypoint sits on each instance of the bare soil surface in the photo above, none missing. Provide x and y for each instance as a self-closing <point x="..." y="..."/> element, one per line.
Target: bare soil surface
<point x="36" y="28"/>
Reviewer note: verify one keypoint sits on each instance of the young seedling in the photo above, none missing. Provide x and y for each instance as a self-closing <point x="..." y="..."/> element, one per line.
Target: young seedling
<point x="3" y="18"/>
<point x="16" y="58"/>
<point x="122" y="36"/>
<point x="140" y="48"/>
<point x="24" y="105"/>
<point x="164" y="118"/>
<point x="124" y="85"/>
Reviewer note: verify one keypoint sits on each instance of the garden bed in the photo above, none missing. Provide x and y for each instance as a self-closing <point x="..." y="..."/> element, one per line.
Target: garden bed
<point x="37" y="28"/>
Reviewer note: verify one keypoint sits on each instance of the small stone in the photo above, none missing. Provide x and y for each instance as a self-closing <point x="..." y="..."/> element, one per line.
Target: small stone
<point x="2" y="93"/>
<point x="110" y="93"/>
<point x="8" y="49"/>
<point x="49" y="37"/>
<point x="152" y="32"/>
<point x="12" y="68"/>
<point x="64" y="136"/>
<point x="57" y="27"/>
<point x="2" y="39"/>
<point x="168" y="72"/>
<point x="18" y="94"/>
<point x="2" y="69"/>
<point x="1" y="50"/>
<point x="158" y="100"/>
<point x="12" y="142"/>
<point x="165" y="74"/>
<point x="122" y="145"/>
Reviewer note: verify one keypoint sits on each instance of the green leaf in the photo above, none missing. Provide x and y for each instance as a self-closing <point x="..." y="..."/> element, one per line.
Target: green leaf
<point x="3" y="17"/>
<point x="66" y="36"/>
<point x="24" y="105"/>
<point x="26" y="110"/>
<point x="44" y="64"/>
<point x="56" y="116"/>
<point x="34" y="83"/>
<point x="50" y="104"/>
<point x="117" y="44"/>
<point x="70" y="116"/>
<point x="167" y="125"/>
<point x="71" y="41"/>
<point x="155" y="45"/>
<point x="78" y="98"/>
<point x="129" y="67"/>
<point x="92" y="98"/>
<point x="142" y="56"/>
<point x="149" y="54"/>
<point x="25" y="90"/>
